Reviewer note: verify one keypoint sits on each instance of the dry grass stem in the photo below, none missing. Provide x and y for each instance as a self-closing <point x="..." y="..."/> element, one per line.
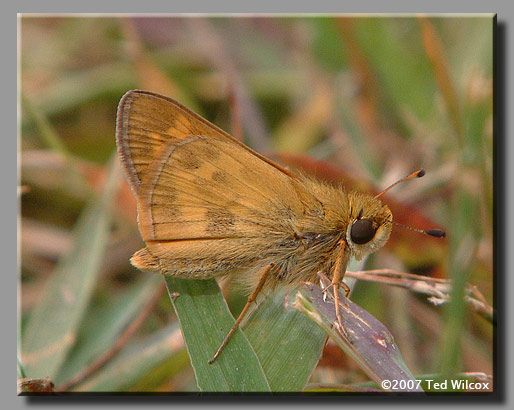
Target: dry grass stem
<point x="439" y="290"/>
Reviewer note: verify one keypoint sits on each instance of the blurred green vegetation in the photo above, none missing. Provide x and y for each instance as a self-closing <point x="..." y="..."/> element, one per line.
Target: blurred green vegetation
<point x="377" y="97"/>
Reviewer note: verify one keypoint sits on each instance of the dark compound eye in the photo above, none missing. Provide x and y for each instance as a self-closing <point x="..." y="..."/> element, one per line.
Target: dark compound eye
<point x="362" y="231"/>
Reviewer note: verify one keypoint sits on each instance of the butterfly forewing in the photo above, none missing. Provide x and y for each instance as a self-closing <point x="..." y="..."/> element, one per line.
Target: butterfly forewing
<point x="148" y="122"/>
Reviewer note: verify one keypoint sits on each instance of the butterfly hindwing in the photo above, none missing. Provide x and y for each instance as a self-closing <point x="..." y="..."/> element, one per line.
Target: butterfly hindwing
<point x="210" y="204"/>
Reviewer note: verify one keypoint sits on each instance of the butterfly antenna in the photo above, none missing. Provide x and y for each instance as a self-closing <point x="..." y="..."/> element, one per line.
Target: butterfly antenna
<point x="437" y="233"/>
<point x="418" y="174"/>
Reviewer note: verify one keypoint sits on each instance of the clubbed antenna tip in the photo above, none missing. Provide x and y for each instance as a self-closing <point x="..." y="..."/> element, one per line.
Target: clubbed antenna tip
<point x="436" y="232"/>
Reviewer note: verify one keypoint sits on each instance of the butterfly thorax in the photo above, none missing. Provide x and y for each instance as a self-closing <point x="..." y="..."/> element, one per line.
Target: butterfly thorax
<point x="324" y="226"/>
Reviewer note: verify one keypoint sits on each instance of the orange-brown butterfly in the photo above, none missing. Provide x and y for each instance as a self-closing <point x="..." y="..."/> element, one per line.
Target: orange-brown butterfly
<point x="210" y="206"/>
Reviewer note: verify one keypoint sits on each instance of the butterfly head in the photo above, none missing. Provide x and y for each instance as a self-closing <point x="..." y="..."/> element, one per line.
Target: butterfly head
<point x="369" y="226"/>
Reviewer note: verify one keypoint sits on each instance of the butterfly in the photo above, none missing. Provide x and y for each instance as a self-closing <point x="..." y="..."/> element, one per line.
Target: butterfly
<point x="209" y="206"/>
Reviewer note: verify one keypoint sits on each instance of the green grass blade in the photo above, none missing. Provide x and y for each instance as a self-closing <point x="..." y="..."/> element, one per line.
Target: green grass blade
<point x="51" y="329"/>
<point x="287" y="343"/>
<point x="205" y="321"/>
<point x="403" y="73"/>
<point x="138" y="361"/>
<point x="463" y="247"/>
<point x="102" y="325"/>
<point x="46" y="130"/>
<point x="21" y="372"/>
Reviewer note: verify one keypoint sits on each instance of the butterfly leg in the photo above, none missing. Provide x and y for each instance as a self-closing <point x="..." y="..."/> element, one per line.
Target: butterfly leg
<point x="251" y="299"/>
<point x="337" y="280"/>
